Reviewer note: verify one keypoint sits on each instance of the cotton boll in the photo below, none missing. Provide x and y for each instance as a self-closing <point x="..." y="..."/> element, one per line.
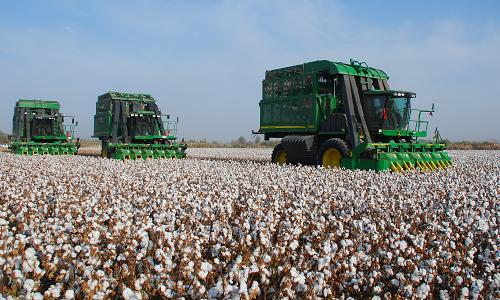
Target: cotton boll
<point x="205" y="269"/>
<point x="28" y="285"/>
<point x="69" y="294"/>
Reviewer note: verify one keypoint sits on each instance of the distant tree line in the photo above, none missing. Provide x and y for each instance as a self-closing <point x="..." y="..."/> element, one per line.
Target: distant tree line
<point x="468" y="145"/>
<point x="257" y="142"/>
<point x="240" y="142"/>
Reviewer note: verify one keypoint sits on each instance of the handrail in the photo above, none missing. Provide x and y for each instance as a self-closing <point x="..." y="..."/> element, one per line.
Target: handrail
<point x="419" y="121"/>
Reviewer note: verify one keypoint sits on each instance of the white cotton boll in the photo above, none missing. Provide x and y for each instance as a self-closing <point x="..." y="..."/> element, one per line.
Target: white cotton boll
<point x="29" y="285"/>
<point x="206" y="267"/>
<point x="37" y="296"/>
<point x="169" y="293"/>
<point x="459" y="280"/>
<point x="294" y="244"/>
<point x="267" y="258"/>
<point x="243" y="288"/>
<point x="158" y="268"/>
<point x="464" y="292"/>
<point x="468" y="242"/>
<point x="28" y="266"/>
<point x="94" y="237"/>
<point x="18" y="274"/>
<point x="49" y="249"/>
<point x="216" y="291"/>
<point x="327" y="292"/>
<point x="408" y="290"/>
<point x="400" y="261"/>
<point x="201" y="290"/>
<point x="30" y="253"/>
<point x="496" y="281"/>
<point x="443" y="295"/>
<point x="422" y="291"/>
<point x="477" y="287"/>
<point x="128" y="294"/>
<point x="190" y="265"/>
<point x="231" y="290"/>
<point x="299" y="278"/>
<point x="254" y="268"/>
<point x="54" y="291"/>
<point x="395" y="282"/>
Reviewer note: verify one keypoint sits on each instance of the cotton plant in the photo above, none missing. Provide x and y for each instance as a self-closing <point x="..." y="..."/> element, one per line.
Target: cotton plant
<point x="226" y="224"/>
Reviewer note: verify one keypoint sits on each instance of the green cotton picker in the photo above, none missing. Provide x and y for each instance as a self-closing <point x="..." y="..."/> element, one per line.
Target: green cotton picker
<point x="131" y="126"/>
<point x="38" y="128"/>
<point x="345" y="115"/>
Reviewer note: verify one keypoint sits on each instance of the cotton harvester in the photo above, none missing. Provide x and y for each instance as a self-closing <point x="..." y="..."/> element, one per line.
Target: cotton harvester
<point x="130" y="126"/>
<point x="38" y="128"/>
<point x="345" y="115"/>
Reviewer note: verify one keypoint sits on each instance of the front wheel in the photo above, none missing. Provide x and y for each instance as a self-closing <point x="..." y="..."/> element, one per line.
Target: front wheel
<point x="331" y="153"/>
<point x="279" y="155"/>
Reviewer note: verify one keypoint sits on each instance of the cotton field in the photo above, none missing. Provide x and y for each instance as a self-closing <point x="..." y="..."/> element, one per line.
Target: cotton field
<point x="225" y="224"/>
<point x="234" y="154"/>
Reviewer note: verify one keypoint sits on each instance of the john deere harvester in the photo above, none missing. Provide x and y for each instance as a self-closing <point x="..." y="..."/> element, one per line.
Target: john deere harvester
<point x="38" y="128"/>
<point x="345" y="115"/>
<point x="130" y="126"/>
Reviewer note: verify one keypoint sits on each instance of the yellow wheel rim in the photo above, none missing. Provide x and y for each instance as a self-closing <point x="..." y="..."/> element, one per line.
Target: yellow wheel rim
<point x="331" y="158"/>
<point x="281" y="157"/>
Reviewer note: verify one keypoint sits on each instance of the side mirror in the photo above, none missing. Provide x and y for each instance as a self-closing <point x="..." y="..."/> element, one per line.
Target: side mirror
<point x="73" y="121"/>
<point x="432" y="108"/>
<point x="168" y="117"/>
<point x="76" y="123"/>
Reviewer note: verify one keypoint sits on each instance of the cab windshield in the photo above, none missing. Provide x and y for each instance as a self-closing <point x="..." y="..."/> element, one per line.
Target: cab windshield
<point x="43" y="127"/>
<point x="386" y="112"/>
<point x="144" y="126"/>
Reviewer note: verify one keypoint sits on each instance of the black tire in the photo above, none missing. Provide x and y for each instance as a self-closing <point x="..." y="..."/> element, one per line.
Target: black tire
<point x="278" y="150"/>
<point x="104" y="149"/>
<point x="335" y="143"/>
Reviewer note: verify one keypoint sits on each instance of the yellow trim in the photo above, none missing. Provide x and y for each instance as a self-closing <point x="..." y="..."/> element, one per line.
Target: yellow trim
<point x="278" y="127"/>
<point x="331" y="158"/>
<point x="281" y="157"/>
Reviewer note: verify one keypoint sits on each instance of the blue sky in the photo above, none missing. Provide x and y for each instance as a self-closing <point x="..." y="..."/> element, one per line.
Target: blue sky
<point x="205" y="60"/>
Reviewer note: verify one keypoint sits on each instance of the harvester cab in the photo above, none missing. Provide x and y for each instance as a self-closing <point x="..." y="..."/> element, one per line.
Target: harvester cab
<point x="40" y="128"/>
<point x="345" y="115"/>
<point x="388" y="114"/>
<point x="131" y="126"/>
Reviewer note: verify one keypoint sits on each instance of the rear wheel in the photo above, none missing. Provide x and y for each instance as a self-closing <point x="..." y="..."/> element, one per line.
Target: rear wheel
<point x="104" y="149"/>
<point x="279" y="155"/>
<point x="331" y="153"/>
